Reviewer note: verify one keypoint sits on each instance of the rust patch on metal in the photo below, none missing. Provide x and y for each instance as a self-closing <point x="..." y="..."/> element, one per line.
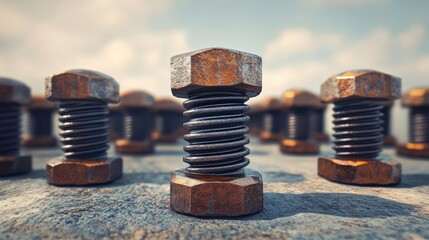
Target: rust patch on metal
<point x="299" y="146"/>
<point x="134" y="147"/>
<point x="416" y="97"/>
<point x="419" y="150"/>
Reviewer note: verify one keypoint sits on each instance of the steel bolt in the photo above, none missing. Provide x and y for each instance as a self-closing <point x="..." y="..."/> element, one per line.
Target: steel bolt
<point x="40" y="123"/>
<point x="418" y="144"/>
<point x="318" y="123"/>
<point x="358" y="128"/>
<point x="116" y="123"/>
<point x="83" y="96"/>
<point x="272" y="120"/>
<point x="256" y="120"/>
<point x="168" y="120"/>
<point x="297" y="138"/>
<point x="13" y="95"/>
<point x="388" y="139"/>
<point x="217" y="83"/>
<point x="138" y="123"/>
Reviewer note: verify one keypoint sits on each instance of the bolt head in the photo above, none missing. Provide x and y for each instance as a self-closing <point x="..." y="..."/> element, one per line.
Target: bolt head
<point x="13" y="165"/>
<point x="271" y="103"/>
<point x="216" y="69"/>
<point x="300" y="98"/>
<point x="361" y="84"/>
<point x="13" y="91"/>
<point x="167" y="104"/>
<point x="416" y="97"/>
<point x="136" y="99"/>
<point x="81" y="84"/>
<point x="39" y="102"/>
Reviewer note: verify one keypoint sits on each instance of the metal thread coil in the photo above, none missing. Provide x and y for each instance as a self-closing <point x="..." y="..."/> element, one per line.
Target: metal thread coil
<point x="216" y="122"/>
<point x="84" y="129"/>
<point x="10" y="129"/>
<point x="358" y="129"/>
<point x="419" y="125"/>
<point x="297" y="123"/>
<point x="386" y="120"/>
<point x="40" y="123"/>
<point x="138" y="124"/>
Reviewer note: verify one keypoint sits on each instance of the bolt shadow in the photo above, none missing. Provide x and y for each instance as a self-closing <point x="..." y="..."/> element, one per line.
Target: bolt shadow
<point x="413" y="180"/>
<point x="278" y="205"/>
<point x="34" y="174"/>
<point x="143" y="177"/>
<point x="281" y="177"/>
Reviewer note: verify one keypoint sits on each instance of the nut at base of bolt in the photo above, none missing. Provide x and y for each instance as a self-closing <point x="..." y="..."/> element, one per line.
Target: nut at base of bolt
<point x="114" y="136"/>
<point x="267" y="136"/>
<point x="39" y="142"/>
<point x="389" y="141"/>
<point x="83" y="172"/>
<point x="299" y="146"/>
<point x="11" y="165"/>
<point x="134" y="147"/>
<point x="379" y="171"/>
<point x="209" y="196"/>
<point x="413" y="150"/>
<point x="321" y="137"/>
<point x="158" y="137"/>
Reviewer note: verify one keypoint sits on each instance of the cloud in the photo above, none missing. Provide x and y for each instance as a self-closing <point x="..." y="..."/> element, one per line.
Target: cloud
<point x="113" y="37"/>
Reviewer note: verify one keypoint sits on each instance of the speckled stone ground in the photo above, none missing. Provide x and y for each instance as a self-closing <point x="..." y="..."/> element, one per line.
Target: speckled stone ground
<point x="297" y="203"/>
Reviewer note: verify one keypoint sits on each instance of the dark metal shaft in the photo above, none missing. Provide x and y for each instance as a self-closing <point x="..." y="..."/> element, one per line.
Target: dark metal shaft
<point x="138" y="123"/>
<point x="273" y="121"/>
<point x="169" y="122"/>
<point x="419" y="125"/>
<point x="10" y="129"/>
<point x="216" y="122"/>
<point x="116" y="123"/>
<point x="40" y="123"/>
<point x="297" y="123"/>
<point x="319" y="120"/>
<point x="386" y="120"/>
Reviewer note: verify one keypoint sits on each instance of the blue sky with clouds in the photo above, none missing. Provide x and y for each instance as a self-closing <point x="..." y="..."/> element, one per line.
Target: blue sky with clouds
<point x="301" y="42"/>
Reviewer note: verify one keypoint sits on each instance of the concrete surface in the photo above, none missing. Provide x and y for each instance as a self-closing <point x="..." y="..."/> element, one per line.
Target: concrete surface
<point x="297" y="203"/>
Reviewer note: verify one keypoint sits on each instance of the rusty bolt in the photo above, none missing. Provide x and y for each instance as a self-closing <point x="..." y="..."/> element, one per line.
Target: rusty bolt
<point x="318" y="123"/>
<point x="256" y="119"/>
<point x="388" y="139"/>
<point x="297" y="138"/>
<point x="138" y="123"/>
<point x="357" y="97"/>
<point x="272" y="120"/>
<point x="40" y="123"/>
<point x="83" y="96"/>
<point x="168" y="122"/>
<point x="217" y="82"/>
<point x="13" y="94"/>
<point x="418" y="144"/>
<point x="115" y="122"/>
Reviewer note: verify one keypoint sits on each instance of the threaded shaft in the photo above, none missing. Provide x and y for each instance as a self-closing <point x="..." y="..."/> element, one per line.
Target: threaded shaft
<point x="138" y="124"/>
<point x="386" y="120"/>
<point x="216" y="122"/>
<point x="319" y="120"/>
<point x="10" y="129"/>
<point x="273" y="121"/>
<point x="168" y="122"/>
<point x="419" y="125"/>
<point x="297" y="123"/>
<point x="358" y="129"/>
<point x="84" y="129"/>
<point x="116" y="123"/>
<point x="40" y="123"/>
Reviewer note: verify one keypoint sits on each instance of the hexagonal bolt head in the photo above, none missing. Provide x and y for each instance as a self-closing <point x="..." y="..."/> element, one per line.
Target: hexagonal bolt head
<point x="40" y="102"/>
<point x="416" y="97"/>
<point x="271" y="103"/>
<point x="360" y="172"/>
<point x="13" y="91"/>
<point x="216" y="197"/>
<point x="216" y="69"/>
<point x="167" y="104"/>
<point x="361" y="84"/>
<point x="136" y="99"/>
<point x="82" y="85"/>
<point x="83" y="172"/>
<point x="300" y="98"/>
<point x="12" y="165"/>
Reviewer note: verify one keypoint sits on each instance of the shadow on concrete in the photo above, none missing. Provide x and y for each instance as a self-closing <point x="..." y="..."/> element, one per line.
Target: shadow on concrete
<point x="280" y="176"/>
<point x="143" y="177"/>
<point x="278" y="205"/>
<point x="413" y="180"/>
<point x="34" y="174"/>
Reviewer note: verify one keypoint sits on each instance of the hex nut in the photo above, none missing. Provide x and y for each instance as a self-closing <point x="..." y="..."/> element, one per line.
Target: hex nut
<point x="162" y="138"/>
<point x="216" y="69"/>
<point x="12" y="165"/>
<point x="418" y="150"/>
<point x="267" y="136"/>
<point x="361" y="84"/>
<point x="300" y="98"/>
<point x="82" y="85"/>
<point x="38" y="141"/>
<point x="299" y="146"/>
<point x="136" y="99"/>
<point x="13" y="91"/>
<point x="216" y="196"/>
<point x="83" y="172"/>
<point x="271" y="103"/>
<point x="379" y="171"/>
<point x="39" y="102"/>
<point x="134" y="147"/>
<point x="416" y="97"/>
<point x="167" y="104"/>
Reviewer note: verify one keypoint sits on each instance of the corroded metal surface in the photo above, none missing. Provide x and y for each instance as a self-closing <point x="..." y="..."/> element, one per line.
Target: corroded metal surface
<point x="134" y="147"/>
<point x="136" y="99"/>
<point x="416" y="97"/>
<point x="39" y="102"/>
<point x="418" y="150"/>
<point x="11" y="165"/>
<point x="299" y="146"/>
<point x="300" y="98"/>
<point x="13" y="91"/>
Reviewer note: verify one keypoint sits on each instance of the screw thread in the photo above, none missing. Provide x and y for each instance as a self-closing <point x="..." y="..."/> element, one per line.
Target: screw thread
<point x="419" y="125"/>
<point x="138" y="124"/>
<point x="386" y="120"/>
<point x="297" y="123"/>
<point x="10" y="129"/>
<point x="116" y="123"/>
<point x="40" y="123"/>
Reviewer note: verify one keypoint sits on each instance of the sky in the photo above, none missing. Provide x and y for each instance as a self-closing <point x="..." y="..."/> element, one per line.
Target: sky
<point x="301" y="43"/>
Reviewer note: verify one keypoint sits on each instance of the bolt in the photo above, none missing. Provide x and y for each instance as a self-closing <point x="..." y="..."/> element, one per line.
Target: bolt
<point x="40" y="123"/>
<point x="318" y="123"/>
<point x="256" y="120"/>
<point x="357" y="97"/>
<point x="418" y="144"/>
<point x="388" y="139"/>
<point x="168" y="120"/>
<point x="139" y="121"/>
<point x="83" y="96"/>
<point x="115" y="122"/>
<point x="297" y="138"/>
<point x="217" y="83"/>
<point x="272" y="120"/>
<point x="13" y="95"/>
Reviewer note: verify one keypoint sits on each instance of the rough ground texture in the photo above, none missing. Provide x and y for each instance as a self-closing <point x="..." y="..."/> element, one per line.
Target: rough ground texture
<point x="297" y="203"/>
